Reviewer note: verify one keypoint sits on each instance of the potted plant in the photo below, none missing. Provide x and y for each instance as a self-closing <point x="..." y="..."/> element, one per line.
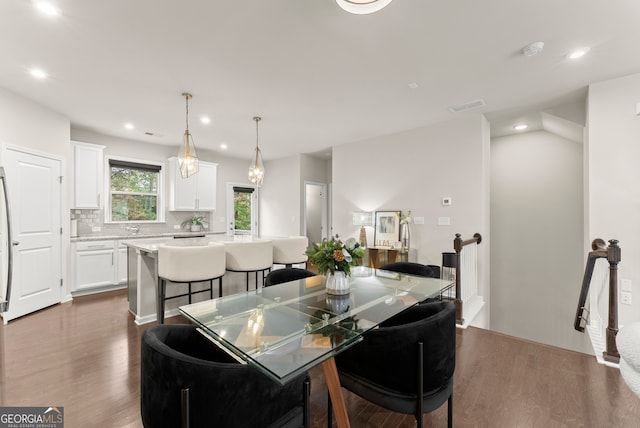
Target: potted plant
<point x="334" y="259"/>
<point x="194" y="223"/>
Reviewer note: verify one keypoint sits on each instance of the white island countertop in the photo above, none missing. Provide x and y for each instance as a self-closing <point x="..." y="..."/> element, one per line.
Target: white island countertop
<point x="151" y="245"/>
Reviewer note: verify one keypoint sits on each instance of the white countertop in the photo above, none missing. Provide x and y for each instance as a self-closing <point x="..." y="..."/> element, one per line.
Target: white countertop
<point x="151" y="245"/>
<point x="142" y="236"/>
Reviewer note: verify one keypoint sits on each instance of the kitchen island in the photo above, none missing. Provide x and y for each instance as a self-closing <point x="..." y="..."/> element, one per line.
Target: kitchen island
<point x="142" y="275"/>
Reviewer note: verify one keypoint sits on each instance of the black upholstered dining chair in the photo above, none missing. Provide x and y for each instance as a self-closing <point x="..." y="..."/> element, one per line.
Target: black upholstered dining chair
<point x="411" y="268"/>
<point x="407" y="364"/>
<point x="187" y="381"/>
<point x="279" y="276"/>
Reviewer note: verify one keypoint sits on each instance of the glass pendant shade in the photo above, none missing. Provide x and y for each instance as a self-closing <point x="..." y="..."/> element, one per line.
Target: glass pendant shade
<point x="256" y="169"/>
<point x="362" y="7"/>
<point x="188" y="156"/>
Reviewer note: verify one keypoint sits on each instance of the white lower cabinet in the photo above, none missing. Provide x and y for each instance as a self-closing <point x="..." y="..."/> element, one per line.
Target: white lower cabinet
<point x="98" y="265"/>
<point x="121" y="271"/>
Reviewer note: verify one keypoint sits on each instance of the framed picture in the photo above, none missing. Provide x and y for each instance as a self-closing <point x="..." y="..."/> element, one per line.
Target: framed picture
<point x="387" y="231"/>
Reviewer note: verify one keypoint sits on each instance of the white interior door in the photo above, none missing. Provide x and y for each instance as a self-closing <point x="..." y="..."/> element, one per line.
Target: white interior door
<point x="35" y="197"/>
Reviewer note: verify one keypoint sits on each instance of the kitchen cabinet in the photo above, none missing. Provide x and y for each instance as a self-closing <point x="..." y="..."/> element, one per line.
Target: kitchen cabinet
<point x="99" y="265"/>
<point x="94" y="264"/>
<point x="121" y="271"/>
<point x="87" y="175"/>
<point x="196" y="193"/>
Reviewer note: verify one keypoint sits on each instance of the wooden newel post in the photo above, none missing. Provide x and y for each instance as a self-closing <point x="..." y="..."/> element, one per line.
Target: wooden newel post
<point x="613" y="257"/>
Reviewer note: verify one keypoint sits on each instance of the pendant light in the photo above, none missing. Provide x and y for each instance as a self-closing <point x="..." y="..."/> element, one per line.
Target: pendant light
<point x="188" y="157"/>
<point x="362" y="7"/>
<point x="256" y="169"/>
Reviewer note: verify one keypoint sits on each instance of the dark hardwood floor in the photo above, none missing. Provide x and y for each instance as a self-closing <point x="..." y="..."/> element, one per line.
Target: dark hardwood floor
<point x="85" y="356"/>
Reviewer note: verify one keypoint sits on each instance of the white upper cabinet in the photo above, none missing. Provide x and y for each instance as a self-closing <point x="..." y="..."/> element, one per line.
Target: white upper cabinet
<point x="87" y="175"/>
<point x="196" y="193"/>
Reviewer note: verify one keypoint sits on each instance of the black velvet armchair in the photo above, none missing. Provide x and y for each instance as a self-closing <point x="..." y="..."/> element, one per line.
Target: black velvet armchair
<point x="279" y="276"/>
<point x="410" y="355"/>
<point x="187" y="381"/>
<point x="411" y="268"/>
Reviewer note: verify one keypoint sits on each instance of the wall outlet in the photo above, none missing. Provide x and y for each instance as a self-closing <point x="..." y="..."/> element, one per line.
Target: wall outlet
<point x="176" y="226"/>
<point x="418" y="220"/>
<point x="625" y="298"/>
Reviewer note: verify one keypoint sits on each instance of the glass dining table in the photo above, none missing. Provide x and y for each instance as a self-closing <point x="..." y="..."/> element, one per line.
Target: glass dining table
<point x="286" y="329"/>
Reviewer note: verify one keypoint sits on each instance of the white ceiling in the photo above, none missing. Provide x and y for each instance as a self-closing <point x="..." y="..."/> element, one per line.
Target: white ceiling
<point x="318" y="75"/>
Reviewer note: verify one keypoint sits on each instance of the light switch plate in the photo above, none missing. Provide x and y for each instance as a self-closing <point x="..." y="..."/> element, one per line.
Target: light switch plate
<point x="96" y="228"/>
<point x="625" y="284"/>
<point x="418" y="220"/>
<point x="625" y="298"/>
<point x="447" y="200"/>
<point x="444" y="221"/>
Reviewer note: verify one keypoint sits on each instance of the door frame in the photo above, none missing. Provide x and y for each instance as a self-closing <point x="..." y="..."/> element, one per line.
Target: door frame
<point x="325" y="207"/>
<point x="255" y="208"/>
<point x="65" y="245"/>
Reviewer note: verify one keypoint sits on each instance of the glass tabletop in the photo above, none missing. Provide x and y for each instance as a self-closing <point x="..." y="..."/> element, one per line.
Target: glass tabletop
<point x="286" y="329"/>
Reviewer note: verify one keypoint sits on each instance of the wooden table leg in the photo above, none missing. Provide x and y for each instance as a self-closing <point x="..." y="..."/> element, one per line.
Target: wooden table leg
<point x="337" y="400"/>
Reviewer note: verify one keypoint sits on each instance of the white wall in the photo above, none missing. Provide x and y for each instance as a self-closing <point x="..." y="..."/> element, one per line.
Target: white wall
<point x="413" y="170"/>
<point x="613" y="176"/>
<point x="27" y="124"/>
<point x="536" y="247"/>
<point x="280" y="199"/>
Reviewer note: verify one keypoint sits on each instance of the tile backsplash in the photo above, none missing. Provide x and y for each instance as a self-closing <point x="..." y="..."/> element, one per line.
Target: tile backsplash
<point x="88" y="220"/>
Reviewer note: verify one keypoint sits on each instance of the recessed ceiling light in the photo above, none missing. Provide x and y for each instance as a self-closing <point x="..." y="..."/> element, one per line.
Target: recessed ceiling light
<point x="520" y="127"/>
<point x="362" y="7"/>
<point x="413" y="85"/>
<point x="223" y="146"/>
<point x="205" y="119"/>
<point x="38" y="73"/>
<point x="129" y="126"/>
<point x="47" y="8"/>
<point x="578" y="53"/>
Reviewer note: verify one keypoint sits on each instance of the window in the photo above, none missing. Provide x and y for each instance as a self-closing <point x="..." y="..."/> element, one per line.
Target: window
<point x="134" y="192"/>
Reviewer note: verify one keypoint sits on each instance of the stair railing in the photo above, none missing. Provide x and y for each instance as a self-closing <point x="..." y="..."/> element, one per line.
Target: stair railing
<point x="612" y="253"/>
<point x="458" y="246"/>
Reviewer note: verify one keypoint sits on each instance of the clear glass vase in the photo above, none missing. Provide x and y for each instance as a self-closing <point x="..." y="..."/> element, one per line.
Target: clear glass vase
<point x="337" y="283"/>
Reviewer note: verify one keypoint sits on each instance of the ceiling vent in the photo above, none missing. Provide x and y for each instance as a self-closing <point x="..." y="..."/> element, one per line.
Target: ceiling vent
<point x="152" y="134"/>
<point x="468" y="106"/>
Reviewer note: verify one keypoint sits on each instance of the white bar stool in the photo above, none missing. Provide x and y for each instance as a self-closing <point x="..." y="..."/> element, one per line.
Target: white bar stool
<point x="249" y="256"/>
<point x="290" y="250"/>
<point x="188" y="264"/>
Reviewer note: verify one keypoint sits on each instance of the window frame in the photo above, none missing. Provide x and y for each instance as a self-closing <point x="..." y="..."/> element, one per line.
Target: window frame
<point x="160" y="202"/>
